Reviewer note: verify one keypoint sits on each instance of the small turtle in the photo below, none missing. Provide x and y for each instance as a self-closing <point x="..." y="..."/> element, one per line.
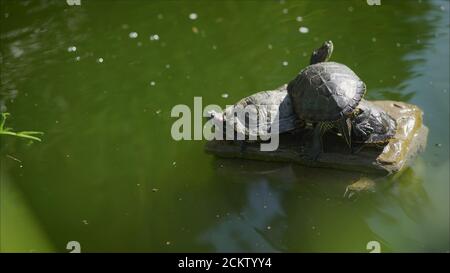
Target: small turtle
<point x="371" y="125"/>
<point x="260" y="115"/>
<point x="326" y="94"/>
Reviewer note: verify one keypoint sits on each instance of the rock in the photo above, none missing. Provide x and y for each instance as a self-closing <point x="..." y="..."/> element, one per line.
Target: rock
<point x="409" y="140"/>
<point x="364" y="184"/>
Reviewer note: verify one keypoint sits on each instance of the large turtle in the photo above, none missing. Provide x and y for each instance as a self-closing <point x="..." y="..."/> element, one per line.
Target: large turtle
<point x="326" y="94"/>
<point x="258" y="116"/>
<point x="371" y="125"/>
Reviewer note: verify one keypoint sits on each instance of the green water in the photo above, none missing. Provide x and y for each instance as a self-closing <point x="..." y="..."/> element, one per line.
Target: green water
<point x="108" y="174"/>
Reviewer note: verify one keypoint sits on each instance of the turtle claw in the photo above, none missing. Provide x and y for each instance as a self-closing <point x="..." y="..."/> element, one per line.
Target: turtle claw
<point x="348" y="193"/>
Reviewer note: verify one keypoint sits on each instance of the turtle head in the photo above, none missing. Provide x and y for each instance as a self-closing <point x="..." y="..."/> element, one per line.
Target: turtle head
<point x="323" y="53"/>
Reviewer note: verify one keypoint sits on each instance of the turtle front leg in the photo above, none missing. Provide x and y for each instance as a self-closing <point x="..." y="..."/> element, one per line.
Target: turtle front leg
<point x="345" y="126"/>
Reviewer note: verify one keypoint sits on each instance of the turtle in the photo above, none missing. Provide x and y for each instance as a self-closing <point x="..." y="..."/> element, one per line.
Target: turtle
<point x="371" y="125"/>
<point x="258" y="116"/>
<point x="326" y="94"/>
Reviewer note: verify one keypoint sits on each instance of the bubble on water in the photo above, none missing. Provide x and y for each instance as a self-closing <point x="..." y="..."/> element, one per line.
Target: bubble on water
<point x="133" y="35"/>
<point x="442" y="8"/>
<point x="85" y="222"/>
<point x="214" y="47"/>
<point x="418" y="41"/>
<point x="269" y="46"/>
<point x="154" y="37"/>
<point x="139" y="44"/>
<point x="299" y="18"/>
<point x="195" y="30"/>
<point x="303" y="30"/>
<point x="398" y="44"/>
<point x="304" y="54"/>
<point x="224" y="95"/>
<point x="374" y="39"/>
<point x="350" y="9"/>
<point x="174" y="163"/>
<point x="138" y="184"/>
<point x="269" y="227"/>
<point x="160" y="16"/>
<point x="167" y="66"/>
<point x="77" y="58"/>
<point x="155" y="190"/>
<point x="72" y="49"/>
<point x="168" y="243"/>
<point x="193" y="16"/>
<point x="152" y="83"/>
<point x="285" y="63"/>
<point x="100" y="60"/>
<point x="285" y="11"/>
<point x="6" y="15"/>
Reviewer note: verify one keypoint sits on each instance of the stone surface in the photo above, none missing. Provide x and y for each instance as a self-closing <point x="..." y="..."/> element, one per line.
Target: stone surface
<point x="409" y="140"/>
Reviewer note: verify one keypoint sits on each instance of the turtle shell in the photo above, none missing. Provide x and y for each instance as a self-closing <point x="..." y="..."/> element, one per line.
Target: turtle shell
<point x="326" y="91"/>
<point x="263" y="114"/>
<point x="372" y="125"/>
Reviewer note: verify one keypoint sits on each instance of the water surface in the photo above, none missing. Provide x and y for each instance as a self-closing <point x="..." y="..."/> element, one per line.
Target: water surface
<point x="100" y="80"/>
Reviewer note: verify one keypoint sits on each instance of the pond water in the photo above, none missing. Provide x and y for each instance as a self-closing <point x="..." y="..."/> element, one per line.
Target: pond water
<point x="100" y="79"/>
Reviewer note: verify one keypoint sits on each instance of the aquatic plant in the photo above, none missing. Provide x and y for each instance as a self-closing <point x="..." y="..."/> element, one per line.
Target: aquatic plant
<point x="22" y="134"/>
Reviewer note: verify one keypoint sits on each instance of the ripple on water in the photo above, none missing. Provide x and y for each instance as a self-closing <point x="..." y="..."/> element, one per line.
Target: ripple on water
<point x="154" y="37"/>
<point x="193" y="16"/>
<point x="133" y="35"/>
<point x="303" y="30"/>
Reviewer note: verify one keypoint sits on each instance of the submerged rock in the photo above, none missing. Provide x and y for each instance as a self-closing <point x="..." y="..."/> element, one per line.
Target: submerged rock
<point x="364" y="184"/>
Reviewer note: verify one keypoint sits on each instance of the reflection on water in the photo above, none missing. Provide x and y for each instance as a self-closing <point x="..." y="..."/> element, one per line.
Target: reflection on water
<point x="109" y="175"/>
